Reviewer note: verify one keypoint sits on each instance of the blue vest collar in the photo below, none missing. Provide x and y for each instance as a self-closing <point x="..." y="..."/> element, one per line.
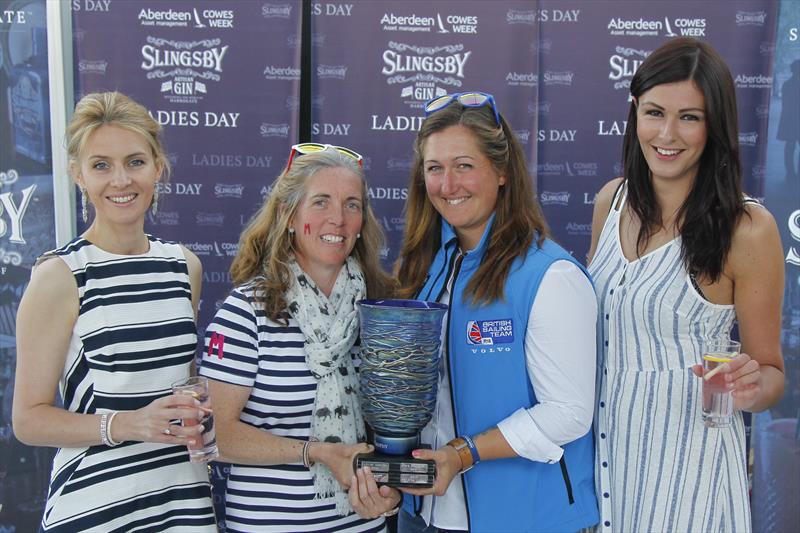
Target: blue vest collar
<point x="471" y="257"/>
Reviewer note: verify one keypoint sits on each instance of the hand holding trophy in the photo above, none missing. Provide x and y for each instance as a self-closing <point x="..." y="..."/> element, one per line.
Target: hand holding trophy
<point x="398" y="378"/>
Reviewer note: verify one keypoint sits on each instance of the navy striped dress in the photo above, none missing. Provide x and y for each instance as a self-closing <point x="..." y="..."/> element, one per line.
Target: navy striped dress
<point x="658" y="468"/>
<point x="134" y="336"/>
<point x="245" y="348"/>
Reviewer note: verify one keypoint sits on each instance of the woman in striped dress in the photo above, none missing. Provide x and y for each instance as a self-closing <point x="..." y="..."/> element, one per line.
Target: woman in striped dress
<point x="108" y="320"/>
<point x="281" y="359"/>
<point x="678" y="254"/>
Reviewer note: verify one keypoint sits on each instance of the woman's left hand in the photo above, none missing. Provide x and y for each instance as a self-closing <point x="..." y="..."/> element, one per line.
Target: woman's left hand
<point x="743" y="376"/>
<point x="448" y="465"/>
<point x="369" y="500"/>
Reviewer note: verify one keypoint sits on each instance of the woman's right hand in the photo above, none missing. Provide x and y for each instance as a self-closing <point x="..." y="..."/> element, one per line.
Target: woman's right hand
<point x="154" y="422"/>
<point x="338" y="458"/>
<point x="448" y="465"/>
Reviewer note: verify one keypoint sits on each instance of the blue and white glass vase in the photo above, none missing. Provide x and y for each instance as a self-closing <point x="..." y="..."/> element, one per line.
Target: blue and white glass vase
<point x="401" y="343"/>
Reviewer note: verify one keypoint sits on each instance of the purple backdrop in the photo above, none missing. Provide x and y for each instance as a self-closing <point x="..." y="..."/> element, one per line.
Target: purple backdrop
<point x="223" y="78"/>
<point x="375" y="63"/>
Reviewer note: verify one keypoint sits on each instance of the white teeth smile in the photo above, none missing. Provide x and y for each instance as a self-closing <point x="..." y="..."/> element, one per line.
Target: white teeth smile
<point x="456" y="201"/>
<point x="333" y="239"/>
<point x="664" y="151"/>
<point x="122" y="199"/>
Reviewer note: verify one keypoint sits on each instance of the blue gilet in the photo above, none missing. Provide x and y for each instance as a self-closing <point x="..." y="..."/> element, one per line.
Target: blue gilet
<point x="489" y="381"/>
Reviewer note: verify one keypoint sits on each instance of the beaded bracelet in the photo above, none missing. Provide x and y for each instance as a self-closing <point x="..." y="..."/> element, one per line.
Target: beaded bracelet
<point x="104" y="429"/>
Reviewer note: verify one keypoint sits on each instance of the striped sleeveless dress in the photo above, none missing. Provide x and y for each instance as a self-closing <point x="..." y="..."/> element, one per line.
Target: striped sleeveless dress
<point x="658" y="468"/>
<point x="134" y="336"/>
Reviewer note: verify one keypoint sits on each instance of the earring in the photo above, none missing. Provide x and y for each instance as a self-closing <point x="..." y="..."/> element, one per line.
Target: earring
<point x="154" y="207"/>
<point x="358" y="236"/>
<point x="84" y="205"/>
<point x="291" y="231"/>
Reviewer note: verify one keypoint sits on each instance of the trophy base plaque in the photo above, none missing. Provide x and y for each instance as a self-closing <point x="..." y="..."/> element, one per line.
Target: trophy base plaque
<point x="398" y="471"/>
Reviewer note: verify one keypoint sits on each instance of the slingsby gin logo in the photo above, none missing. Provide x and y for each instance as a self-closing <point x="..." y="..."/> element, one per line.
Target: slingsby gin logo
<point x="420" y="70"/>
<point x="184" y="66"/>
<point x="14" y="211"/>
<point x="283" y="11"/>
<point x="554" y="198"/>
<point x="751" y="18"/>
<point x="624" y="63"/>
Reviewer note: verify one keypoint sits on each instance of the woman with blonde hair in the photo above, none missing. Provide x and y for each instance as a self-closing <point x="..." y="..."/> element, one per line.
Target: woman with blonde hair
<point x="281" y="354"/>
<point x="119" y="307"/>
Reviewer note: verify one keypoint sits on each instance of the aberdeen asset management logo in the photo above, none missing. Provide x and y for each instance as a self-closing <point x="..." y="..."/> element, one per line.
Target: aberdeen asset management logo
<point x="196" y="18"/>
<point x="439" y="24"/>
<point x="184" y="67"/>
<point x="424" y="72"/>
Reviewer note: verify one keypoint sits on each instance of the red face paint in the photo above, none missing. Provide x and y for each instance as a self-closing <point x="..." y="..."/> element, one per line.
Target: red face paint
<point x="307" y="229"/>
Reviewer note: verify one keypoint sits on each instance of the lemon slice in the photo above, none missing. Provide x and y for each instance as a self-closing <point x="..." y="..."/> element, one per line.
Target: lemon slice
<point x="720" y="358"/>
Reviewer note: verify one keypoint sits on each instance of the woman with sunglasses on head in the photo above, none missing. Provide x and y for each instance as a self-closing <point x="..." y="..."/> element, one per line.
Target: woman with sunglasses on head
<point x="678" y="254"/>
<point x="108" y="321"/>
<point x="510" y="433"/>
<point x="281" y="357"/>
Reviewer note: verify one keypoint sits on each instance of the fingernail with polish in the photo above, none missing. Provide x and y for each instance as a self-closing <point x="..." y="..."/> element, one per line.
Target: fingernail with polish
<point x="415" y="453"/>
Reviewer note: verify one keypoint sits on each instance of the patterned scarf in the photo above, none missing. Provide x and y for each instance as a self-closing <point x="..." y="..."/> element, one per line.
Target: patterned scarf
<point x="330" y="326"/>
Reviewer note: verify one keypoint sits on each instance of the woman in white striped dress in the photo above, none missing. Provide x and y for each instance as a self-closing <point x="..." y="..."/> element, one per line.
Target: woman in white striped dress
<point x="108" y="319"/>
<point x="678" y="254"/>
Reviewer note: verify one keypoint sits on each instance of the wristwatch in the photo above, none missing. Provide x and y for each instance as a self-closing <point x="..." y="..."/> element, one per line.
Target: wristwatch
<point x="464" y="453"/>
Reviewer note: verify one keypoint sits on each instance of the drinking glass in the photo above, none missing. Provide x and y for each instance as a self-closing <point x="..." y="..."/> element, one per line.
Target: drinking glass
<point x="206" y="448"/>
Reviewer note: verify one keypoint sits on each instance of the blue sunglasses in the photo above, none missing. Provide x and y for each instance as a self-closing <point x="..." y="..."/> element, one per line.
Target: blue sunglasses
<point x="472" y="99"/>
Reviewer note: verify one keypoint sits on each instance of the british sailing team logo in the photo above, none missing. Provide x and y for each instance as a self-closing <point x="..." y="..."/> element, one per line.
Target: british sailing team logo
<point x="490" y="332"/>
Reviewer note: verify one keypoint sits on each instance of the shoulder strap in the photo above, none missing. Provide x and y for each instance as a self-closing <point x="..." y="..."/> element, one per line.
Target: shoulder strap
<point x="615" y="198"/>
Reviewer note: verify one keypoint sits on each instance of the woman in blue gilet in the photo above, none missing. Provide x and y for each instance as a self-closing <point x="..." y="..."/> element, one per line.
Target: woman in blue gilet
<point x="510" y="433"/>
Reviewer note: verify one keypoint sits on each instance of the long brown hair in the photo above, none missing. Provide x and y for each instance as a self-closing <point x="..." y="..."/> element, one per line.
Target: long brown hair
<point x="518" y="216"/>
<point x="714" y="206"/>
<point x="265" y="246"/>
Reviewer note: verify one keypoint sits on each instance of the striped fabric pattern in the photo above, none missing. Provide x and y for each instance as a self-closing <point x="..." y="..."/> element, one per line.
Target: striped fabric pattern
<point x="658" y="468"/>
<point x="134" y="336"/>
<point x="245" y="348"/>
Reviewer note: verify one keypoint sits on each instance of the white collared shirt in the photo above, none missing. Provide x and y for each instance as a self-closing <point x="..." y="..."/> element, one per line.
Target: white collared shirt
<point x="560" y="354"/>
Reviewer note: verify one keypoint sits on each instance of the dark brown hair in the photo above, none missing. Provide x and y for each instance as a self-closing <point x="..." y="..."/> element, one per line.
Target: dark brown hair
<point x="709" y="215"/>
<point x="518" y="216"/>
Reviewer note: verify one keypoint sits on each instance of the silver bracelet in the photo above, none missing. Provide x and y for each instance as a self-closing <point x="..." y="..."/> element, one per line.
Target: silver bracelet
<point x="110" y="439"/>
<point x="105" y="424"/>
<point x="395" y="510"/>
<point x="306" y="459"/>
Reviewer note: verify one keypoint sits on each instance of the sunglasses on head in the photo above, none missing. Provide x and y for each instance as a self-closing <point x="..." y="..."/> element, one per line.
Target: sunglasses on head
<point x="473" y="99"/>
<point x="312" y="148"/>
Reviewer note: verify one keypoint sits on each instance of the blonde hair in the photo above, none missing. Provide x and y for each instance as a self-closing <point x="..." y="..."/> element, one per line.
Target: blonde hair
<point x="265" y="246"/>
<point x="113" y="109"/>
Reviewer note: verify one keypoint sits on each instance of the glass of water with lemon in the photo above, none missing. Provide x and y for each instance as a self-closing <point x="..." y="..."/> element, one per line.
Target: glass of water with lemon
<point x="717" y="397"/>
